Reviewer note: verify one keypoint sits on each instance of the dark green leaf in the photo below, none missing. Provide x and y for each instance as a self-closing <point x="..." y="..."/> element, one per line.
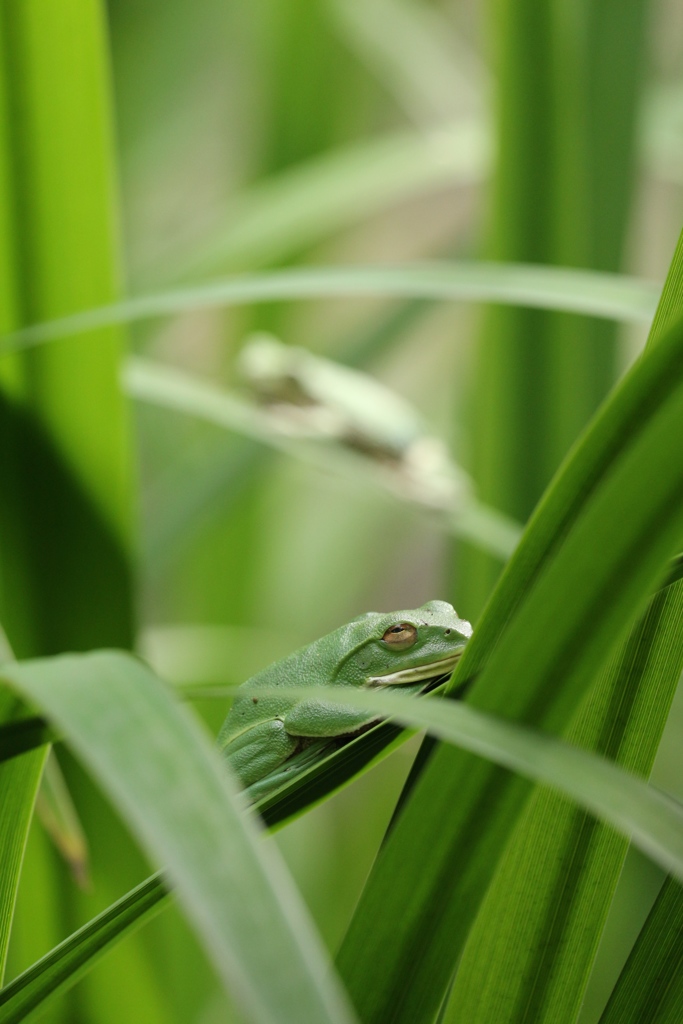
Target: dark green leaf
<point x="554" y="617"/>
<point x="531" y="949"/>
<point x="19" y="779"/>
<point x="23" y="735"/>
<point x="650" y="988"/>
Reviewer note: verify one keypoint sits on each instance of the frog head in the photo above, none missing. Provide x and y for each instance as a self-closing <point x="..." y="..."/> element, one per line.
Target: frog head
<point x="402" y="648"/>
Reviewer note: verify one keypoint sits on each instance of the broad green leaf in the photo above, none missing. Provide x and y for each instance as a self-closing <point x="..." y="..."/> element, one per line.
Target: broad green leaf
<point x="650" y="988"/>
<point x="65" y="513"/>
<point x="591" y="293"/>
<point x="530" y="952"/>
<point x="19" y="780"/>
<point x="653" y="820"/>
<point x="62" y="257"/>
<point x="153" y="761"/>
<point x="531" y="949"/>
<point x="63" y="966"/>
<point x="554" y="618"/>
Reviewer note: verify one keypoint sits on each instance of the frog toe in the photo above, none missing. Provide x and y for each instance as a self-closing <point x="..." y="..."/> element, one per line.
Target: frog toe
<point x="259" y="750"/>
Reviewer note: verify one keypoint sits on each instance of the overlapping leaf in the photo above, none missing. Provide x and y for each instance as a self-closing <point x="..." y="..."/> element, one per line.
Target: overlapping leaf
<point x="556" y="614"/>
<point x="152" y="760"/>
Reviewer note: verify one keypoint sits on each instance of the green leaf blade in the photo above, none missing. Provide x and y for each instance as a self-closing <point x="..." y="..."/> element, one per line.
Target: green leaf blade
<point x="552" y="891"/>
<point x="615" y="796"/>
<point x="152" y="760"/>
<point x="651" y="985"/>
<point x="67" y="963"/>
<point x="592" y="293"/>
<point x="19" y="780"/>
<point x="543" y="593"/>
<point x="621" y="798"/>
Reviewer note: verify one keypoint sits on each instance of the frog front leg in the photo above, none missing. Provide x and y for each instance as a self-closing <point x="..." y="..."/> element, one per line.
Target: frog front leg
<point x="317" y="718"/>
<point x="260" y="750"/>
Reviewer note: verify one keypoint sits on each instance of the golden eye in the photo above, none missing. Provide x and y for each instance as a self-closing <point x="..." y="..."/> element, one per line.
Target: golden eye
<point x="400" y="636"/>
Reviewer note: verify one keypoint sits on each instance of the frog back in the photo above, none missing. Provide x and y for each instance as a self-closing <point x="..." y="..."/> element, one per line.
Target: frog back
<point x="313" y="665"/>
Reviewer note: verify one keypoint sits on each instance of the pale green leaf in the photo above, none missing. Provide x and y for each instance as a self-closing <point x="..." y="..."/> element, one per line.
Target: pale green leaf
<point x="592" y="293"/>
<point x="160" y="771"/>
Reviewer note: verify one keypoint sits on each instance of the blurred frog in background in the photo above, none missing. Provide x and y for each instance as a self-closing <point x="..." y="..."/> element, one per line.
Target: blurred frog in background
<point x="312" y="397"/>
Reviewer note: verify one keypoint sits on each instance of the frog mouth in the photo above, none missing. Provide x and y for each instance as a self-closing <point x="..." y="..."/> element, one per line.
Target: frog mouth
<point x="418" y="673"/>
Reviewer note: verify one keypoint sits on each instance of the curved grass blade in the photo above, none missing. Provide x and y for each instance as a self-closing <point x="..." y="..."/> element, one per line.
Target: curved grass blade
<point x="153" y="760"/>
<point x="331" y="767"/>
<point x="64" y="965"/>
<point x="591" y="293"/>
<point x="651" y="818"/>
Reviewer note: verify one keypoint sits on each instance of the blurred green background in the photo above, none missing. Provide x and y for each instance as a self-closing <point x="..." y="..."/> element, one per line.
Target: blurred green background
<point x="284" y="132"/>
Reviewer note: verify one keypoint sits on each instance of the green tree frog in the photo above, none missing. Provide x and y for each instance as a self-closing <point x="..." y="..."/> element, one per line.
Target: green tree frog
<point x="411" y="649"/>
<point x="350" y="413"/>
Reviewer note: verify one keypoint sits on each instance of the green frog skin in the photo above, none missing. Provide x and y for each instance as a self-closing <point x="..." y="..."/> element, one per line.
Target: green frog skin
<point x="406" y="649"/>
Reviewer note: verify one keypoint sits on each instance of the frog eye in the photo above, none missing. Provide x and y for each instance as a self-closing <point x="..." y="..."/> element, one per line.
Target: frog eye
<point x="400" y="636"/>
